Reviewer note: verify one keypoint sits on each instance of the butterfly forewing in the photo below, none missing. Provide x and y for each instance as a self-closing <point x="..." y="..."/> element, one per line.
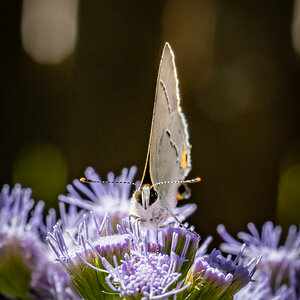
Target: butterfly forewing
<point x="169" y="148"/>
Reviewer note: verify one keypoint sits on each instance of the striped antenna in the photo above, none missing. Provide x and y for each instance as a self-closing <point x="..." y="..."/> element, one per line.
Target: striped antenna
<point x="195" y="180"/>
<point x="86" y="180"/>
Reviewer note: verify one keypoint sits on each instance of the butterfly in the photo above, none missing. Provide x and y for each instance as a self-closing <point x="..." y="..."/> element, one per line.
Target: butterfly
<point x="168" y="159"/>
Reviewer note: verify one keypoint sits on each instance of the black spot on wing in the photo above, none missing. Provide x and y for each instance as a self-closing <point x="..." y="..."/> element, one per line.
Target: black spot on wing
<point x="173" y="145"/>
<point x="168" y="133"/>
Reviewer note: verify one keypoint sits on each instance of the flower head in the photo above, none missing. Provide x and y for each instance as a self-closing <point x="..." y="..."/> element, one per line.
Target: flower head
<point x="100" y="198"/>
<point x="93" y="240"/>
<point x="26" y="266"/>
<point x="261" y="289"/>
<point x="69" y="218"/>
<point x="215" y="277"/>
<point x="15" y="206"/>
<point x="54" y="284"/>
<point x="282" y="262"/>
<point x="147" y="274"/>
<point x="184" y="244"/>
<point x="129" y="263"/>
<point x="21" y="247"/>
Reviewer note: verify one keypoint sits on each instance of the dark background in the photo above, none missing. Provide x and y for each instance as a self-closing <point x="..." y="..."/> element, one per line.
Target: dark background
<point x="239" y="83"/>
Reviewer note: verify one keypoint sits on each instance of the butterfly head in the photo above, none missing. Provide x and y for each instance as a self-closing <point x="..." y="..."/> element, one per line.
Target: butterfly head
<point x="146" y="196"/>
<point x="145" y="205"/>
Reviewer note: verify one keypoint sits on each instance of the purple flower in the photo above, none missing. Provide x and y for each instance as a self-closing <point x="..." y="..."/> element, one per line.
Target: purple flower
<point x="15" y="206"/>
<point x="171" y="239"/>
<point x="67" y="223"/>
<point x="26" y="266"/>
<point x="81" y="255"/>
<point x="203" y="248"/>
<point x="21" y="248"/>
<point x="99" y="261"/>
<point x="147" y="274"/>
<point x="69" y="218"/>
<point x="184" y="243"/>
<point x="215" y="277"/>
<point x="54" y="284"/>
<point x="282" y="262"/>
<point x="260" y="289"/>
<point x="100" y="198"/>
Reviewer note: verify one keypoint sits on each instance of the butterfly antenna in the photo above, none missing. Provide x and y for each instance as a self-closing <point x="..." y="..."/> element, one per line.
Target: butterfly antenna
<point x="86" y="180"/>
<point x="195" y="180"/>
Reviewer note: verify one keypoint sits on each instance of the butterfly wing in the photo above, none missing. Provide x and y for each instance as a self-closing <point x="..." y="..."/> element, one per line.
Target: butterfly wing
<point x="169" y="148"/>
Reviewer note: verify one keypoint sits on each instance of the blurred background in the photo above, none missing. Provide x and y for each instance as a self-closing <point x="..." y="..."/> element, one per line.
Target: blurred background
<point x="77" y="90"/>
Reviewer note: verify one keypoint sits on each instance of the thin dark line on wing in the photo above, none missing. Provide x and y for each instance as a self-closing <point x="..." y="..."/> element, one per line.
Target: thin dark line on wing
<point x="173" y="145"/>
<point x="166" y="94"/>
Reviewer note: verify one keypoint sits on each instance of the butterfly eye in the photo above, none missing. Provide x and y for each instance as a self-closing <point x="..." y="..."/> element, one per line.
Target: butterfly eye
<point x="138" y="196"/>
<point x="153" y="196"/>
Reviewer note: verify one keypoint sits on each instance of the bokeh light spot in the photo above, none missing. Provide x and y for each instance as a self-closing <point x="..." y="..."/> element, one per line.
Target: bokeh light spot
<point x="49" y="29"/>
<point x="43" y="168"/>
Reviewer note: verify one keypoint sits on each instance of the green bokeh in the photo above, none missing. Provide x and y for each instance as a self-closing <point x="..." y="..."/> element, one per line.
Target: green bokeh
<point x="43" y="168"/>
<point x="288" y="206"/>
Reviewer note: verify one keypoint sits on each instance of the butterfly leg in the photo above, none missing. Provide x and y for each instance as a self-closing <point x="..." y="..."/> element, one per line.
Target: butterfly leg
<point x="156" y="236"/>
<point x="138" y="221"/>
<point x="182" y="225"/>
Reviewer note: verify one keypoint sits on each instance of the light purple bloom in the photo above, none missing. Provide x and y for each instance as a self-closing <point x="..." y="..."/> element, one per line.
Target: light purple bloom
<point x="132" y="250"/>
<point x="260" y="289"/>
<point x="26" y="267"/>
<point x="182" y="242"/>
<point x="68" y="224"/>
<point x="91" y="239"/>
<point x="18" y="216"/>
<point x="20" y="242"/>
<point x="148" y="274"/>
<point x="203" y="248"/>
<point x="69" y="218"/>
<point x="54" y="284"/>
<point x="145" y="276"/>
<point x="215" y="277"/>
<point x="90" y="235"/>
<point x="282" y="262"/>
<point x="100" y="198"/>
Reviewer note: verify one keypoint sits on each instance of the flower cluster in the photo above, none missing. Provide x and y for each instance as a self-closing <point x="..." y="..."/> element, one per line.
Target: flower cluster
<point x="148" y="274"/>
<point x="279" y="268"/>
<point x="215" y="277"/>
<point x="93" y="250"/>
<point x="27" y="270"/>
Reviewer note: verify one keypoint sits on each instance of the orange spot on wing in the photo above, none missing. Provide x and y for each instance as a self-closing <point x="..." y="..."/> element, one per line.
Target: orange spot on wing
<point x="179" y="197"/>
<point x="184" y="160"/>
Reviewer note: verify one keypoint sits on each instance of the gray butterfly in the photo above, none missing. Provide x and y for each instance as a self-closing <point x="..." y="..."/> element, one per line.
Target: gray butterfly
<point x="169" y="152"/>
